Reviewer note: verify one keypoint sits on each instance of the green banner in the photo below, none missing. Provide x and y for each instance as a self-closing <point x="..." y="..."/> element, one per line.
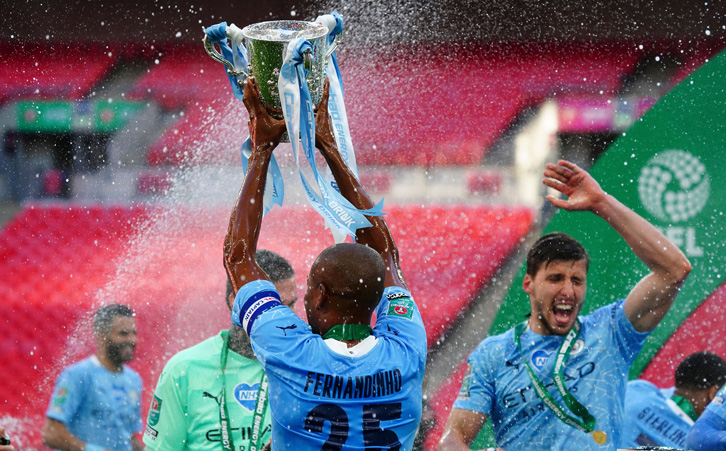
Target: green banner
<point x="666" y="167"/>
<point x="111" y="116"/>
<point x="64" y="116"/>
<point x="44" y="116"/>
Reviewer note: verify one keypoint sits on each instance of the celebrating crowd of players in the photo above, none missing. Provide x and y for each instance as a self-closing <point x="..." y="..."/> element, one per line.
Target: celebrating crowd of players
<point x="334" y="382"/>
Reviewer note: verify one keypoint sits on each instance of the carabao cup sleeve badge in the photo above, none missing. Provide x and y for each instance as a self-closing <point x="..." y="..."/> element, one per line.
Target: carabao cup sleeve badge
<point x="401" y="307"/>
<point x="155" y="411"/>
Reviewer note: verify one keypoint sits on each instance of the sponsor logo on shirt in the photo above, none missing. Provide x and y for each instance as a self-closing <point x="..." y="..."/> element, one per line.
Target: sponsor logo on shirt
<point x="578" y="347"/>
<point x="540" y="358"/>
<point x="396" y="295"/>
<point x="246" y="395"/>
<point x="401" y="307"/>
<point x="155" y="411"/>
<point x="151" y="433"/>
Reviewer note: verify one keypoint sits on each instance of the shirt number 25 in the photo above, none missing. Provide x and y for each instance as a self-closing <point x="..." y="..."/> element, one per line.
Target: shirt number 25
<point x="374" y="438"/>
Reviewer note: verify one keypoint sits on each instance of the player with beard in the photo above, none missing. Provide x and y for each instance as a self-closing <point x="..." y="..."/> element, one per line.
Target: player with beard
<point x="95" y="405"/>
<point x="186" y="409"/>
<point x="557" y="380"/>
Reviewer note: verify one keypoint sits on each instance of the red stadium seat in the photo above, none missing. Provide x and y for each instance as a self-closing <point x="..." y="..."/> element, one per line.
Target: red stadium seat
<point x="37" y="71"/>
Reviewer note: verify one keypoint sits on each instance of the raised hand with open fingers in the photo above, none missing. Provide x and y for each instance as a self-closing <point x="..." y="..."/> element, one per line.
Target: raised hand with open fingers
<point x="582" y="190"/>
<point x="265" y="130"/>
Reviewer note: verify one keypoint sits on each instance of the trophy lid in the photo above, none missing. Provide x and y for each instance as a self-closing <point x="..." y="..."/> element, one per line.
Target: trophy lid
<point x="284" y="30"/>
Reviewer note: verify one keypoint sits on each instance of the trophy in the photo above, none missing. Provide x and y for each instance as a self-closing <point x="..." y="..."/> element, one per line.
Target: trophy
<point x="266" y="45"/>
<point x="290" y="60"/>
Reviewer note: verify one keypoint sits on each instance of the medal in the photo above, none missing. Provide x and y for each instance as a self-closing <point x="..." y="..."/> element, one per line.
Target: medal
<point x="584" y="421"/>
<point x="600" y="437"/>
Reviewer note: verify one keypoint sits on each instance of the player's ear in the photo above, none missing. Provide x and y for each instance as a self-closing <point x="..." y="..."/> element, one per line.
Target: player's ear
<point x="527" y="284"/>
<point x="712" y="392"/>
<point x="322" y="298"/>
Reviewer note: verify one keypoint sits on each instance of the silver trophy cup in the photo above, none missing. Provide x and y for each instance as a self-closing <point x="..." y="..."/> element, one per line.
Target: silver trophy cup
<point x="266" y="44"/>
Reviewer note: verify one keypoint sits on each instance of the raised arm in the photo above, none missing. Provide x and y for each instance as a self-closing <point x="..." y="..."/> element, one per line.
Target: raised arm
<point x="377" y="237"/>
<point x="240" y="244"/>
<point x="649" y="301"/>
<point x="461" y="429"/>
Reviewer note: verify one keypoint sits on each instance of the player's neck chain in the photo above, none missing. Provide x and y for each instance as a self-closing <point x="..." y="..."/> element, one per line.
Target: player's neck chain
<point x="585" y="422"/>
<point x="685" y="406"/>
<point x="349" y="332"/>
<point x="227" y="441"/>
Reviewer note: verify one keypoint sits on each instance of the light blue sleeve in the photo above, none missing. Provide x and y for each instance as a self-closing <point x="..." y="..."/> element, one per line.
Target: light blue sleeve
<point x="708" y="433"/>
<point x="67" y="395"/>
<point x="629" y="340"/>
<point x="477" y="389"/>
<point x="252" y="300"/>
<point x="138" y="425"/>
<point x="398" y="317"/>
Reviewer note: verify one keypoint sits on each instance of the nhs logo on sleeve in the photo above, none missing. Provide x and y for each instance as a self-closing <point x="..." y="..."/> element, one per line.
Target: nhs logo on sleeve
<point x="246" y="395"/>
<point x="540" y="358"/>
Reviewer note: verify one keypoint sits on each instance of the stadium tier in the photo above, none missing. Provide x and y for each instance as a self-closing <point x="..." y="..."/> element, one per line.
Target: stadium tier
<point x="443" y="106"/>
<point x="68" y="72"/>
<point x="61" y="262"/>
<point x="448" y="109"/>
<point x="180" y="76"/>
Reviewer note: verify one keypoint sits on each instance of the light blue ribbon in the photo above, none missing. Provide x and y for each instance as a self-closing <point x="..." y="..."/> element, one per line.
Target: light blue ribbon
<point x="274" y="188"/>
<point x="336" y="104"/>
<point x="237" y="58"/>
<point x="339" y="214"/>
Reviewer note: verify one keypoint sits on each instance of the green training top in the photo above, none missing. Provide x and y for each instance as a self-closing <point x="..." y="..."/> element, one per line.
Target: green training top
<point x="185" y="410"/>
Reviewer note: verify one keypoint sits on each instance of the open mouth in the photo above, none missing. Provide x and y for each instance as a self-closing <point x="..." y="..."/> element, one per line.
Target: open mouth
<point x="563" y="313"/>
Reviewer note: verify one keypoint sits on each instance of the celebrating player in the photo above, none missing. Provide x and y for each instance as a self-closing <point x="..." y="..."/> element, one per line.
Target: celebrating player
<point x="335" y="382"/>
<point x="556" y="381"/>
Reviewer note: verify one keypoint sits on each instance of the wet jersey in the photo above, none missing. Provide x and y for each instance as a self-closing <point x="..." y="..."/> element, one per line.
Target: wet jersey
<point x="322" y="399"/>
<point x="185" y="409"/>
<point x="652" y="418"/>
<point x="497" y="383"/>
<point x="717" y="407"/>
<point x="98" y="406"/>
<point x="709" y="431"/>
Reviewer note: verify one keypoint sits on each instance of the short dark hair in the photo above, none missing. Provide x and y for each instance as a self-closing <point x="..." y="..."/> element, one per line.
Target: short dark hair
<point x="701" y="371"/>
<point x="104" y="316"/>
<point x="275" y="266"/>
<point x="556" y="246"/>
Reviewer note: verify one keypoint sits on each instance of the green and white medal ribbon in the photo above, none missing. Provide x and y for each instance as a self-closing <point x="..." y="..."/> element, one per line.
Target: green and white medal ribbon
<point x="585" y="422"/>
<point x="260" y="406"/>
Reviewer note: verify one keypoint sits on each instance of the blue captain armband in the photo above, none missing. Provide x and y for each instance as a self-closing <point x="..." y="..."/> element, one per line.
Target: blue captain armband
<point x="251" y="301"/>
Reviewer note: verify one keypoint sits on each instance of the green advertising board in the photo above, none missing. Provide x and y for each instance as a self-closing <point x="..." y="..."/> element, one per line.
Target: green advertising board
<point x="44" y="116"/>
<point x="63" y="116"/>
<point x="667" y="168"/>
<point x="111" y="116"/>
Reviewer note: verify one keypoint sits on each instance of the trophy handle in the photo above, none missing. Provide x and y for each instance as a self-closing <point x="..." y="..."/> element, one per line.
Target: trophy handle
<point x="333" y="46"/>
<point x="209" y="47"/>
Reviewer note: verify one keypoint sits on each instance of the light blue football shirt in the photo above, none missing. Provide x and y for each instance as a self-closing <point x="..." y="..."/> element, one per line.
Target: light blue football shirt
<point x="718" y="405"/>
<point x="98" y="406"/>
<point x="321" y="399"/>
<point x="709" y="431"/>
<point x="652" y="418"/>
<point x="497" y="383"/>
